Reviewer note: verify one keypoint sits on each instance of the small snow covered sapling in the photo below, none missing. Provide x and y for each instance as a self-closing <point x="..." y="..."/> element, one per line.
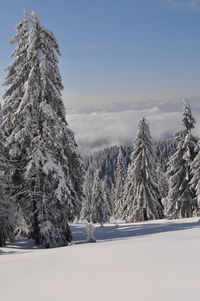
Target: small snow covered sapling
<point x="90" y="232"/>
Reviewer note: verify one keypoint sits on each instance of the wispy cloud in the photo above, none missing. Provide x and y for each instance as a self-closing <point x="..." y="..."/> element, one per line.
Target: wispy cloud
<point x="193" y="5"/>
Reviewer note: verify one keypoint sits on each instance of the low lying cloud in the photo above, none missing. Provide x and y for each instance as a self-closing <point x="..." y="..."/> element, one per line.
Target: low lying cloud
<point x="103" y="123"/>
<point x="98" y="129"/>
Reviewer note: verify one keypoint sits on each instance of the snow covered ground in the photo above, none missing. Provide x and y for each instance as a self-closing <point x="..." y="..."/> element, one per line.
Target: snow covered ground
<point x="157" y="260"/>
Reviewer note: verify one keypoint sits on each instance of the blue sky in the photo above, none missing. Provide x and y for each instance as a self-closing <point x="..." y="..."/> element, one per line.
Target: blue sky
<point x="139" y="48"/>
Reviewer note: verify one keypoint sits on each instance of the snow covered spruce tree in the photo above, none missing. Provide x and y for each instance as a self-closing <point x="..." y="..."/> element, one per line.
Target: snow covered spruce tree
<point x="195" y="180"/>
<point x="7" y="206"/>
<point x="142" y="195"/>
<point x="16" y="134"/>
<point x="181" y="197"/>
<point x="41" y="144"/>
<point x="162" y="181"/>
<point x="118" y="190"/>
<point x="95" y="207"/>
<point x="106" y="197"/>
<point x="86" y="210"/>
<point x="99" y="206"/>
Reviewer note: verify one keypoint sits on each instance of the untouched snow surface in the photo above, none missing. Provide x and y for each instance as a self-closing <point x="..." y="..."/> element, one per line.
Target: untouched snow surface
<point x="157" y="260"/>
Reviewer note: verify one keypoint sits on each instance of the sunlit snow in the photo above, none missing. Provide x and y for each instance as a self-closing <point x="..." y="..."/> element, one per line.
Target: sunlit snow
<point x="157" y="260"/>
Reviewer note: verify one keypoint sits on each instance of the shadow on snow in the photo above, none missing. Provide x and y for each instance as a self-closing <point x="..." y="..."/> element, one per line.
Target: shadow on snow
<point x="107" y="233"/>
<point x="19" y="244"/>
<point x="112" y="232"/>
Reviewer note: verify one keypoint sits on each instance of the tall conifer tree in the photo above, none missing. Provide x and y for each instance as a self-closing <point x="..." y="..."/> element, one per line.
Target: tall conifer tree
<point x="195" y="180"/>
<point x="15" y="124"/>
<point x="7" y="204"/>
<point x="95" y="207"/>
<point x="43" y="145"/>
<point x="118" y="193"/>
<point x="86" y="210"/>
<point x="98" y="205"/>
<point x="181" y="196"/>
<point x="142" y="195"/>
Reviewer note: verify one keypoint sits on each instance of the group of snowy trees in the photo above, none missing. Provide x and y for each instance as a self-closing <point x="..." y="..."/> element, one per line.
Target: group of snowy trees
<point x="42" y="175"/>
<point x="40" y="169"/>
<point x="95" y="207"/>
<point x="141" y="188"/>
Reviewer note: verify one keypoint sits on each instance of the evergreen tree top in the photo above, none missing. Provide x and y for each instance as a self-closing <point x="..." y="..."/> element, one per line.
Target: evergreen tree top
<point x="21" y="28"/>
<point x="143" y="140"/>
<point x="143" y="129"/>
<point x="188" y="120"/>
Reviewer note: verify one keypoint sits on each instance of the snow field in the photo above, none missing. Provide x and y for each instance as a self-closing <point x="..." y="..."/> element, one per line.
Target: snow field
<point x="159" y="263"/>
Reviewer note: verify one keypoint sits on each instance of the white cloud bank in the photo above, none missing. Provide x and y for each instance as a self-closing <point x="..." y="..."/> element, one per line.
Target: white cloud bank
<point x="102" y="128"/>
<point x="103" y="120"/>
